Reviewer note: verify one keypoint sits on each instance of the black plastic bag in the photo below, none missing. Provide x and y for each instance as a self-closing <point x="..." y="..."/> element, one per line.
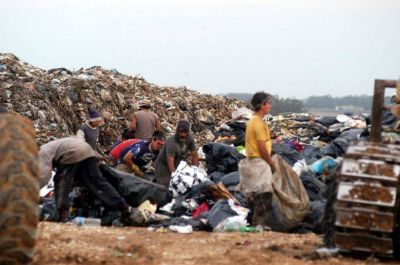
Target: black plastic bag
<point x="196" y="224"/>
<point x="219" y="212"/>
<point x="290" y="155"/>
<point x="339" y="145"/>
<point x="327" y="120"/>
<point x="231" y="179"/>
<point x="314" y="187"/>
<point x="221" y="157"/>
<point x="136" y="190"/>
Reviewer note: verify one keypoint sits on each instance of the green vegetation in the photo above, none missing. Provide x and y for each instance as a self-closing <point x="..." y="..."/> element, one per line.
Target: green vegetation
<point x="327" y="102"/>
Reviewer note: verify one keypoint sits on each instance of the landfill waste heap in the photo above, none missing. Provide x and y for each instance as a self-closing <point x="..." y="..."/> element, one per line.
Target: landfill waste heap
<point x="57" y="101"/>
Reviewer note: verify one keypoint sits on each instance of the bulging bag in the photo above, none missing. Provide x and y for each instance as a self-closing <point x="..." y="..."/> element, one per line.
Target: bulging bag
<point x="185" y="177"/>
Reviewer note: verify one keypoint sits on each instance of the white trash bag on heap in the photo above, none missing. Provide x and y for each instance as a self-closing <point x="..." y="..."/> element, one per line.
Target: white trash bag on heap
<point x="185" y="177"/>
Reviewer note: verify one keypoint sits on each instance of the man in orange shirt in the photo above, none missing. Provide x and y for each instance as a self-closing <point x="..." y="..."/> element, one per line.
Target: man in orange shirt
<point x="256" y="171"/>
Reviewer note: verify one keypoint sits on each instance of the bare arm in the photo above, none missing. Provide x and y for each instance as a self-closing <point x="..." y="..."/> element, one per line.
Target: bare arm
<point x="128" y="159"/>
<point x="171" y="165"/>
<point x="158" y="125"/>
<point x="195" y="158"/>
<point x="265" y="154"/>
<point x="133" y="123"/>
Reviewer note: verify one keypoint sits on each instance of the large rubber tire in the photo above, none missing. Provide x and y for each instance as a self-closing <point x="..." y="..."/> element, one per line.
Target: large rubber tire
<point x="19" y="189"/>
<point x="396" y="228"/>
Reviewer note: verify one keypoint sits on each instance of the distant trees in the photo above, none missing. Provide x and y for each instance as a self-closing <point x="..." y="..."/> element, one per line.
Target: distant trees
<point x="279" y="105"/>
<point x="329" y="102"/>
<point x="282" y="105"/>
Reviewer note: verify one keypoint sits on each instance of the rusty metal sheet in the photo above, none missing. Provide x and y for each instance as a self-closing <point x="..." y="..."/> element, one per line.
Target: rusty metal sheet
<point x="363" y="218"/>
<point x="364" y="243"/>
<point x="370" y="169"/>
<point x="367" y="193"/>
<point x="388" y="152"/>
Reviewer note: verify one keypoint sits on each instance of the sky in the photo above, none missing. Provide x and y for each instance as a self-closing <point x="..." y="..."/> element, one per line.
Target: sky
<point x="293" y="49"/>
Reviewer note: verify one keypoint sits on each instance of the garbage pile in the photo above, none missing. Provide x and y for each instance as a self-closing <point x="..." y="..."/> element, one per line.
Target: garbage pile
<point x="198" y="198"/>
<point x="57" y="100"/>
<point x="207" y="199"/>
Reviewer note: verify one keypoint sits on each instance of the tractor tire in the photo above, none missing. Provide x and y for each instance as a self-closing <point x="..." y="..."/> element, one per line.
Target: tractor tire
<point x="396" y="233"/>
<point x="19" y="189"/>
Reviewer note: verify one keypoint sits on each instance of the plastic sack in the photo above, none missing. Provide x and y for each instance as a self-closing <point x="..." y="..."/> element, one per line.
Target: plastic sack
<point x="136" y="190"/>
<point x="147" y="209"/>
<point x="221" y="157"/>
<point x="185" y="177"/>
<point x="320" y="166"/>
<point x="49" y="187"/>
<point x="299" y="166"/>
<point x="343" y="118"/>
<point x="231" y="224"/>
<point x="224" y="209"/>
<point x="242" y="113"/>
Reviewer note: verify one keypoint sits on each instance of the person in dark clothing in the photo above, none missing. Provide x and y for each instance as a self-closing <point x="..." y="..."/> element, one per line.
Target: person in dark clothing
<point x="176" y="148"/>
<point x="74" y="161"/>
<point x="135" y="156"/>
<point x="89" y="131"/>
<point x="127" y="138"/>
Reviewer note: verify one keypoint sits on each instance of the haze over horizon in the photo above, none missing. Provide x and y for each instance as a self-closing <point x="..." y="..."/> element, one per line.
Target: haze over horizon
<point x="288" y="48"/>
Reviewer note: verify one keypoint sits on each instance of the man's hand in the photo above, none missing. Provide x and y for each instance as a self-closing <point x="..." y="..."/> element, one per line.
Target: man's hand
<point x="136" y="170"/>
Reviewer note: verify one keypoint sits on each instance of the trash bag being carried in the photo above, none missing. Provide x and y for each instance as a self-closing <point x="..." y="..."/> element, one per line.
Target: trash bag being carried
<point x="290" y="200"/>
<point x="185" y="177"/>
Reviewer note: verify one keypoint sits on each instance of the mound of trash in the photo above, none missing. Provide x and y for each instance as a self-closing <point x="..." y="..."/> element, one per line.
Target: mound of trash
<point x="57" y="100"/>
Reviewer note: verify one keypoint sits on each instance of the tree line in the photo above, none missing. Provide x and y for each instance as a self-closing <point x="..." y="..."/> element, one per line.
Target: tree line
<point x="281" y="105"/>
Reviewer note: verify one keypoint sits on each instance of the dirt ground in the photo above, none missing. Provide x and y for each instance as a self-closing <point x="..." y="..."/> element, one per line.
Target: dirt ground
<point x="68" y="244"/>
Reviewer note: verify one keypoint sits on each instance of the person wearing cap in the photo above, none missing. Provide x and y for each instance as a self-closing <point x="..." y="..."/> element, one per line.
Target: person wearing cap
<point x="145" y="122"/>
<point x="89" y="131"/>
<point x="176" y="148"/>
<point x="256" y="170"/>
<point x="135" y="156"/>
